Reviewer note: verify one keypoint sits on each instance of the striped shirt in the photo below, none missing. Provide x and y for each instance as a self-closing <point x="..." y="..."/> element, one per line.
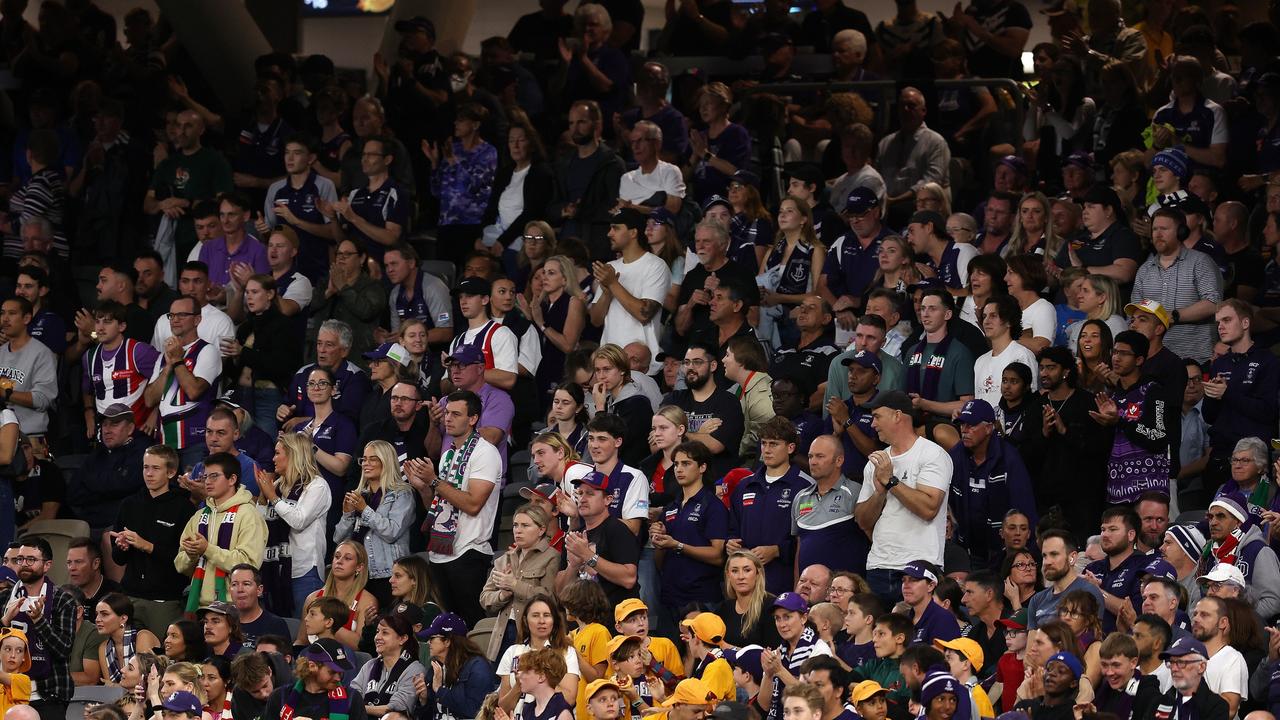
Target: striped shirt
<point x="1192" y="277"/>
<point x="809" y="645"/>
<point x="44" y="195"/>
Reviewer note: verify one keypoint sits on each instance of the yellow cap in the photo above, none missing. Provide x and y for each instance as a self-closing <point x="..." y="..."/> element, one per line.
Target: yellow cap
<point x="14" y="632"/>
<point x="627" y="607"/>
<point x="690" y="691"/>
<point x="599" y="684"/>
<point x="616" y="641"/>
<point x="970" y="649"/>
<point x="1151" y="307"/>
<point x="708" y="627"/>
<point x="865" y="690"/>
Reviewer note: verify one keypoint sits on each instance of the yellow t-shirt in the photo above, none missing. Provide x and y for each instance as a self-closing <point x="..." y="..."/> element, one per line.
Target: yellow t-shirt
<point x="592" y="643"/>
<point x="983" y="701"/>
<point x="18" y="692"/>
<point x="665" y="652"/>
<point x="719" y="677"/>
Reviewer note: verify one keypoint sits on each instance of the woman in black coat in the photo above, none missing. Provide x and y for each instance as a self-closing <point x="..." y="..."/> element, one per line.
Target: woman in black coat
<point x="266" y="352"/>
<point x="522" y="190"/>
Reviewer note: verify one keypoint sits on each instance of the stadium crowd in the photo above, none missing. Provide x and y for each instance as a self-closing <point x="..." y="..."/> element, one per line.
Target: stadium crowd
<point x="571" y="382"/>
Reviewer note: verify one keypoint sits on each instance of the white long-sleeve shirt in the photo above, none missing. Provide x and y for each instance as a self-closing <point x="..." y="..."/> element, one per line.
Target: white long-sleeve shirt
<point x="306" y="520"/>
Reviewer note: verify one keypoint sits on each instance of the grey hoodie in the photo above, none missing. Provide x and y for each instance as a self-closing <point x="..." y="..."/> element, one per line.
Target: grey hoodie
<point x="1263" y="575"/>
<point x="32" y="369"/>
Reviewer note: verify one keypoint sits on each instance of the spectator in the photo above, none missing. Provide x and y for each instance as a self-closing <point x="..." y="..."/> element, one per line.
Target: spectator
<point x="151" y="291"/>
<point x="375" y="215"/>
<point x="294" y="504"/>
<point x="145" y="537"/>
<point x="1059" y="551"/>
<point x="1187" y="664"/>
<point x="217" y="538"/>
<point x="1226" y="673"/>
<point x="715" y="416"/>
<point x="182" y="386"/>
<point x="655" y="182"/>
<point x="462" y="179"/>
<point x="390" y="677"/>
<point x="1000" y="315"/>
<point x="948" y="259"/>
<point x="1112" y="249"/>
<point x="497" y="343"/>
<point x="542" y="624"/>
<point x="49" y="622"/>
<point x="464" y="506"/>
<point x="295" y="201"/>
<point x="600" y="550"/>
<point x="1238" y="392"/>
<point x="714" y="270"/>
<point x="870" y="334"/>
<point x="913" y="155"/>
<point x="597" y="70"/>
<point x="246" y="594"/>
<point x="721" y="150"/>
<point x="587" y="181"/>
<point x="214" y="325"/>
<point x="522" y="189"/>
<point x="30" y="370"/>
<point x="378" y="514"/>
<point x="466" y="374"/>
<point x="1245" y="549"/>
<point x="111" y="473"/>
<point x="817" y="535"/>
<point x="122" y="638"/>
<point x="939" y="370"/>
<point x="294" y="288"/>
<point x="46" y="325"/>
<point x="629" y="291"/>
<point x="745" y="365"/>
<point x="264" y="351"/>
<point x="799" y="643"/>
<point x="527" y="569"/>
<point x="652" y="85"/>
<point x="332" y="434"/>
<point x="690" y="538"/>
<point x="351" y="296"/>
<point x="559" y="312"/>
<point x="235" y="246"/>
<point x="332" y="348"/>
<point x="1191" y="119"/>
<point x="84" y="570"/>
<point x="320" y="668"/>
<point x="344" y="583"/>
<point x="1244" y="269"/>
<point x="191" y="174"/>
<point x="460" y="676"/>
<point x="850" y="419"/>
<point x="1025" y="276"/>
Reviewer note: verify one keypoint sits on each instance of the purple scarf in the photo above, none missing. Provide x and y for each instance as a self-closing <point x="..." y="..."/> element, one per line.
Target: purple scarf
<point x="932" y="368"/>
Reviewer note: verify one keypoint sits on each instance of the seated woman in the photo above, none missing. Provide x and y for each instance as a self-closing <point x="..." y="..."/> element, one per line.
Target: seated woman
<point x="791" y="269"/>
<point x="460" y="675"/>
<point x="121" y="637"/>
<point x="378" y="514"/>
<point x="136" y="671"/>
<point x="528" y="568"/>
<point x="751" y="227"/>
<point x="388" y="680"/>
<point x="1020" y="572"/>
<point x="184" y="676"/>
<point x="1079" y="610"/>
<point x="215" y="678"/>
<point x="541" y="624"/>
<point x="295" y="505"/>
<point x="1049" y="638"/>
<point x="747" y="605"/>
<point x="412" y="594"/>
<point x="184" y="642"/>
<point x="348" y="574"/>
<point x="1099" y="298"/>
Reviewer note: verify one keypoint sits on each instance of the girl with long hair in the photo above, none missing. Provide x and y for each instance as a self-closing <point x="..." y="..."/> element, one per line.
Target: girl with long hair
<point x="121" y="637"/>
<point x="1080" y="610"/>
<point x="660" y="235"/>
<point x="333" y="434"/>
<point x="413" y="336"/>
<point x="387" y="681"/>
<point x="411" y="583"/>
<point x="1093" y="356"/>
<point x="541" y="624"/>
<point x="1099" y="298"/>
<point x="184" y="642"/>
<point x="531" y="250"/>
<point x="295" y="502"/>
<point x="524" y="571"/>
<point x="751" y="227"/>
<point x="746" y="608"/>
<point x="1049" y="638"/>
<point x="1020" y="572"/>
<point x="348" y="574"/>
<point x="1033" y="228"/>
<point x="378" y="515"/>
<point x="569" y="415"/>
<point x="896" y="267"/>
<point x="136" y="681"/>
<point x="184" y="676"/>
<point x="458" y="666"/>
<point x="265" y="351"/>
<point x="559" y="312"/>
<point x="796" y="260"/>
<point x="667" y="429"/>
<point x="215" y="678"/>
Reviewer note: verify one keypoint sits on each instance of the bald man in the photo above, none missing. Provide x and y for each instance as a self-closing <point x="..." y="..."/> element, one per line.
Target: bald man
<point x="190" y="174"/>
<point x="1244" y="264"/>
<point x="822" y="514"/>
<point x="911" y="157"/>
<point x="640" y="360"/>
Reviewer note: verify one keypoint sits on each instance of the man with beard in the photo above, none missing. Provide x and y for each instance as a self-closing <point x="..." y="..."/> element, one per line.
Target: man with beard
<point x="1235" y="541"/>
<point x="850" y="418"/>
<point x="1118" y="574"/>
<point x="1190" y="697"/>
<point x="1226" y="672"/>
<point x="1059" y="552"/>
<point x="404" y="427"/>
<point x="48" y="616"/>
<point x="1061" y="683"/>
<point x="714" y="269"/>
<point x="376" y="214"/>
<point x="715" y="416"/>
<point x="587" y="181"/>
<point x="1075" y="451"/>
<point x="295" y="201"/>
<point x="1153" y="635"/>
<point x="1153" y="515"/>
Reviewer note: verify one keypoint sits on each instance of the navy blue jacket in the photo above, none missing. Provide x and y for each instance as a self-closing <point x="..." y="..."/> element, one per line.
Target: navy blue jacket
<point x="1248" y="409"/>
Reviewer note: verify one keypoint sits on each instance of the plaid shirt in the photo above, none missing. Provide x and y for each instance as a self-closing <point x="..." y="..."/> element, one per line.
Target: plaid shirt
<point x="1192" y="277"/>
<point x="56" y="628"/>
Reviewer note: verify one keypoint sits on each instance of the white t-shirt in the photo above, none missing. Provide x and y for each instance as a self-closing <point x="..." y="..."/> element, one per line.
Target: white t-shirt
<point x="300" y="291"/>
<point x="966" y="254"/>
<point x="1227" y="672"/>
<point x="1041" y="318"/>
<point x="503" y="343"/>
<point x="1116" y="324"/>
<point x="646" y="278"/>
<point x="214" y="326"/>
<point x="637" y="186"/>
<point x="511" y="201"/>
<point x="208" y="368"/>
<point x="510" y="662"/>
<point x="900" y="536"/>
<point x="988" y="368"/>
<point x="471" y="532"/>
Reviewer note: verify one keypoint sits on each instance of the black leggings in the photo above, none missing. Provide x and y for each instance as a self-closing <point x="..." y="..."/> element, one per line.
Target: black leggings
<point x="459" y="583"/>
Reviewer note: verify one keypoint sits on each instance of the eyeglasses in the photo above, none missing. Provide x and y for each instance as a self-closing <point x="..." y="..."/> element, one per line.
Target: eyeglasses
<point x="697" y="362"/>
<point x="535" y="238"/>
<point x="209" y="476"/>
<point x="1241" y="460"/>
<point x="1182" y="662"/>
<point x="175" y="315"/>
<point x="367" y="460"/>
<point x="403" y="398"/>
<point x="27" y="560"/>
<point x="839" y="591"/>
<point x="1024" y="566"/>
<point x="346" y="253"/>
<point x="318" y="383"/>
<point x="1069" y="612"/>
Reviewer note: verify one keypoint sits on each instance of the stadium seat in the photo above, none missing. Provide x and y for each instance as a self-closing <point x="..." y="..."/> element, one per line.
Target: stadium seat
<point x="293" y="624"/>
<point x="442" y="269"/>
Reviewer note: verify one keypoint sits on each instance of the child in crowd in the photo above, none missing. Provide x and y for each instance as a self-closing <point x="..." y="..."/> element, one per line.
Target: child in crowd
<point x="859" y="622"/>
<point x="323" y="617"/>
<point x="642" y="688"/>
<point x="604" y="699"/>
<point x="889" y="638"/>
<point x="587" y="609"/>
<point x="870" y="700"/>
<point x="802" y="701"/>
<point x="964" y="660"/>
<point x="631" y="617"/>
<point x="15" y="661"/>
<point x="747" y="675"/>
<point x="540" y="673"/>
<point x="828" y="620"/>
<point x="707" y="663"/>
<point x="1010" y="670"/>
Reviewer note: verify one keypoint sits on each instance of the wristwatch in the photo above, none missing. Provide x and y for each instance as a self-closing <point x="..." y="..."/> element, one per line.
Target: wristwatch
<point x="1176" y="316"/>
<point x="848" y="423"/>
<point x="706" y="156"/>
<point x="679" y="548"/>
<point x="591" y="563"/>
<point x="893" y="483"/>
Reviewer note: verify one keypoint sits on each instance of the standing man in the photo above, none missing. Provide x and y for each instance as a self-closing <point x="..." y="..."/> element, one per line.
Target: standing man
<point x="236" y="245"/>
<point x="225" y="531"/>
<point x="1139" y="412"/>
<point x="376" y="215"/>
<point x="111" y="473"/>
<point x="405" y="428"/>
<point x="1119" y="574"/>
<point x="215" y="325"/>
<point x="295" y="200"/>
<point x="713" y="270"/>
<point x="1226" y="673"/>
<point x="988" y="479"/>
<point x="28" y="372"/>
<point x="497" y="343"/>
<point x="387" y="364"/>
<point x="911" y="157"/>
<point x="466" y="373"/>
<point x="153" y="294"/>
<point x="629" y="290"/>
<point x="84" y="570"/>
<point x="191" y="174"/>
<point x="628" y="491"/>
<point x="245" y="583"/>
<point x="1058" y="551"/>
<point x="904" y="488"/>
<point x="1185" y="282"/>
<point x="145" y="538"/>
<point x="1075" y="448"/>
<point x="116" y="370"/>
<point x="762" y="506"/>
<point x="183" y="384"/>
<point x="1153" y="321"/>
<point x="416" y="293"/>
<point x="1240" y="394"/>
<point x="32" y="284"/>
<point x="822" y="515"/>
<point x="462" y="505"/>
<point x="853" y="259"/>
<point x="604" y="549"/>
<point x="983" y="600"/>
<point x="587" y="181"/>
<point x="48" y="617"/>
<point x="715" y="416"/>
<point x="939" y="369"/>
<point x="1001" y="317"/>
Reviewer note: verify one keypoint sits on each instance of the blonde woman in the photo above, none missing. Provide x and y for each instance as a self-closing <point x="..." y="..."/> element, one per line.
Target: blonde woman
<point x="528" y="568"/>
<point x="559" y="312"/>
<point x="746" y="610"/>
<point x="660" y="234"/>
<point x="791" y="269"/>
<point x="931" y="196"/>
<point x="613" y="390"/>
<point x="414" y="336"/>
<point x="377" y="514"/>
<point x="668" y="428"/>
<point x="1099" y="298"/>
<point x="295" y="502"/>
<point x="897" y="267"/>
<point x="348" y="574"/>
<point x="1033" y="229"/>
<point x="183" y="676"/>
